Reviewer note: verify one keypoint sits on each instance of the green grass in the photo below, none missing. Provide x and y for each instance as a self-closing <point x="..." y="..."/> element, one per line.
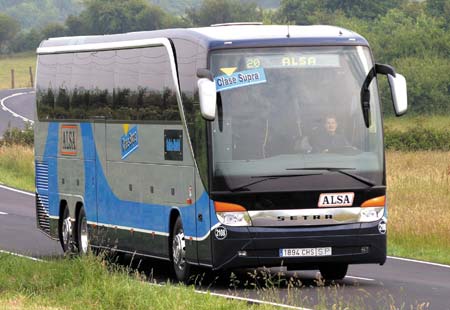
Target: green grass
<point x="17" y="167"/>
<point x="90" y="283"/>
<point x="20" y="63"/>
<point x="405" y="123"/>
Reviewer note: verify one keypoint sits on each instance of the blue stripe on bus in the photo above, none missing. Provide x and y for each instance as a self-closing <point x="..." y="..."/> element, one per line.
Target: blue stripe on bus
<point x="113" y="211"/>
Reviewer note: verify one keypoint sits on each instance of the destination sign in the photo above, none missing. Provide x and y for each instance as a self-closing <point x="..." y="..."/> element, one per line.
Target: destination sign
<point x="294" y="60"/>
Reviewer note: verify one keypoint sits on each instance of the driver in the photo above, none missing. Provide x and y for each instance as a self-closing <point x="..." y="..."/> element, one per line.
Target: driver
<point x="329" y="138"/>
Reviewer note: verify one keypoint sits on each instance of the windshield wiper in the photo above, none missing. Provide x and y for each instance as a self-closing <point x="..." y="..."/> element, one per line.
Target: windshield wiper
<point x="263" y="178"/>
<point x="341" y="171"/>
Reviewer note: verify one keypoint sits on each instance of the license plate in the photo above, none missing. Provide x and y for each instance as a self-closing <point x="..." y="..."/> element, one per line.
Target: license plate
<point x="305" y="252"/>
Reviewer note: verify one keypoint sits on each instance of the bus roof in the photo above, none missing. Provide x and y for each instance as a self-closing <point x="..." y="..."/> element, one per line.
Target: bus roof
<point x="230" y="35"/>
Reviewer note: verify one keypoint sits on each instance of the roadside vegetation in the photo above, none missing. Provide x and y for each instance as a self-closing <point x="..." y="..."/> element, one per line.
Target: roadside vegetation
<point x="91" y="283"/>
<point x="17" y="167"/>
<point x="21" y="63"/>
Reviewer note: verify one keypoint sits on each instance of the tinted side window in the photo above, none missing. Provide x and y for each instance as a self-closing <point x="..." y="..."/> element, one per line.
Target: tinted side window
<point x="144" y="86"/>
<point x="130" y="84"/>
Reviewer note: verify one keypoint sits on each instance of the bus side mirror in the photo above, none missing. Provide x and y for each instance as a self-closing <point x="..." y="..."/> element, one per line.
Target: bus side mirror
<point x="207" y="94"/>
<point x="399" y="94"/>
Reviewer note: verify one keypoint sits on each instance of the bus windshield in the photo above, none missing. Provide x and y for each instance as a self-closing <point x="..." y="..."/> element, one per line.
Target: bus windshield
<point x="291" y="112"/>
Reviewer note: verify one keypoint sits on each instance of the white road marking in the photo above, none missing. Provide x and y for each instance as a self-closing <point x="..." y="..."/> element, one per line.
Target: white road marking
<point x="360" y="278"/>
<point x="5" y="108"/>
<point x="419" y="262"/>
<point x="23" y="256"/>
<point x="255" y="301"/>
<point x="16" y="190"/>
<point x="3" y="213"/>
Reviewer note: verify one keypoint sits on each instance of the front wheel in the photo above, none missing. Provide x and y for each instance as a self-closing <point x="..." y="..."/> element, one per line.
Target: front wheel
<point x="180" y="266"/>
<point x="333" y="271"/>
<point x="83" y="234"/>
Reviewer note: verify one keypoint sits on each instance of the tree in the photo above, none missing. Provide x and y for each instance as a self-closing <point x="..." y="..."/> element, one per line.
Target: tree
<point x="300" y="12"/>
<point x="9" y="28"/>
<point x="363" y="8"/>
<point x="439" y="8"/>
<point x="223" y="11"/>
<point x="117" y="16"/>
<point x="53" y="30"/>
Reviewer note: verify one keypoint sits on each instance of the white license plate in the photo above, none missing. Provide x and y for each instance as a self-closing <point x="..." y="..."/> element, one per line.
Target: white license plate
<point x="305" y="252"/>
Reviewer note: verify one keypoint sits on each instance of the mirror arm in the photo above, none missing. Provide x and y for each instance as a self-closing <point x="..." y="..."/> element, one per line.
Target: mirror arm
<point x="205" y="73"/>
<point x="365" y="96"/>
<point x="384" y="69"/>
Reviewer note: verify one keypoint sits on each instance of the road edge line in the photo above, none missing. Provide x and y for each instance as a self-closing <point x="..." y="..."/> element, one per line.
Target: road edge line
<point x="419" y="261"/>
<point x="16" y="190"/>
<point x="23" y="256"/>
<point x="255" y="301"/>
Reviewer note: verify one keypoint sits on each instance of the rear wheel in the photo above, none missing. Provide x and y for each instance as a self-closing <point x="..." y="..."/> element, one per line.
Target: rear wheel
<point x="180" y="266"/>
<point x="83" y="234"/>
<point x="65" y="231"/>
<point x="333" y="271"/>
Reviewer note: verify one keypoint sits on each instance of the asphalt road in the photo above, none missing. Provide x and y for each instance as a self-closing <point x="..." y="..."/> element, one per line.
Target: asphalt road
<point x="18" y="232"/>
<point x="404" y="284"/>
<point x="22" y="105"/>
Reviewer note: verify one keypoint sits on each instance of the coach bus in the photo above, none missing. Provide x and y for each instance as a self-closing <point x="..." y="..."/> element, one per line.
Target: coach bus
<point x="235" y="145"/>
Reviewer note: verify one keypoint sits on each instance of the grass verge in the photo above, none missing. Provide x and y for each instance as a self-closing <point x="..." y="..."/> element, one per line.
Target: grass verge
<point x="20" y="63"/>
<point x="17" y="167"/>
<point x="419" y="205"/>
<point x="89" y="283"/>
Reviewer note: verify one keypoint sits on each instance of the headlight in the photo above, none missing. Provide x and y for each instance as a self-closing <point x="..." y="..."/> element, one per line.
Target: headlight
<point x="232" y="214"/>
<point x="371" y="214"/>
<point x="234" y="218"/>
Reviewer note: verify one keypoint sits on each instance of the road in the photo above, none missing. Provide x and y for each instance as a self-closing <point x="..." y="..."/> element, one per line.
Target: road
<point x="399" y="282"/>
<point x="13" y="110"/>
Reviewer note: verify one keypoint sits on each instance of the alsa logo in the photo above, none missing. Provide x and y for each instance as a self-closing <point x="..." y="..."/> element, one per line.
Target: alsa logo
<point x="336" y="200"/>
<point x="69" y="140"/>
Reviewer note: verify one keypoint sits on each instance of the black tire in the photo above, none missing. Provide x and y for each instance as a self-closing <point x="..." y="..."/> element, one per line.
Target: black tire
<point x="333" y="271"/>
<point x="180" y="266"/>
<point x="83" y="243"/>
<point x="64" y="236"/>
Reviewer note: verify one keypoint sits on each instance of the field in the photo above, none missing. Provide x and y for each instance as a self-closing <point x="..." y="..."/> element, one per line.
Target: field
<point x="419" y="205"/>
<point x="17" y="167"/>
<point x="20" y="63"/>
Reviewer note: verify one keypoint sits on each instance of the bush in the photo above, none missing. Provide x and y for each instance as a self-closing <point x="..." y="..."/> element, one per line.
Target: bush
<point x="16" y="136"/>
<point x="417" y="139"/>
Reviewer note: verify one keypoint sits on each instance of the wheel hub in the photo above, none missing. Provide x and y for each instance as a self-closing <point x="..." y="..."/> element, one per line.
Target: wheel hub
<point x="66" y="230"/>
<point x="84" y="237"/>
<point x="179" y="250"/>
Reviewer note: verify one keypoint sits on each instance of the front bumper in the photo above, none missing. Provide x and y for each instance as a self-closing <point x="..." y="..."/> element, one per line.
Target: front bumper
<point x="358" y="243"/>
